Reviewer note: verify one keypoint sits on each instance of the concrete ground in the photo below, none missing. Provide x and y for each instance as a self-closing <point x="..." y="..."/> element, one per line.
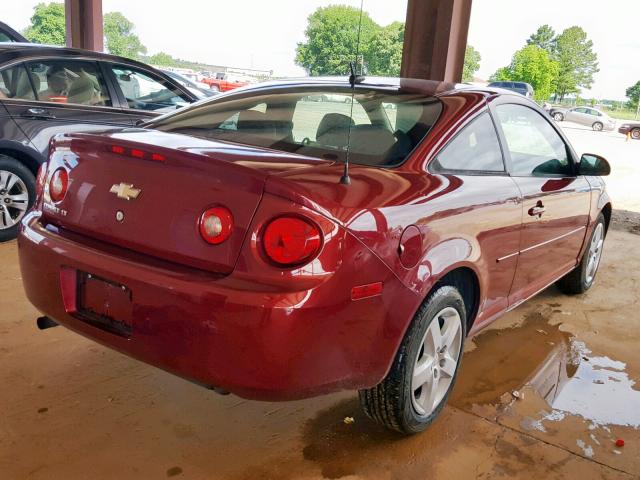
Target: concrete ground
<point x="544" y="392"/>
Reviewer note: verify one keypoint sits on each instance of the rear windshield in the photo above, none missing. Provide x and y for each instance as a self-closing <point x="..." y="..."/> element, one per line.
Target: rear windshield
<point x="381" y="126"/>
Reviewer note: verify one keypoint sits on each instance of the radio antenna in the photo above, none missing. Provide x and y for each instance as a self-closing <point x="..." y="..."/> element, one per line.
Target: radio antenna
<point x="354" y="78"/>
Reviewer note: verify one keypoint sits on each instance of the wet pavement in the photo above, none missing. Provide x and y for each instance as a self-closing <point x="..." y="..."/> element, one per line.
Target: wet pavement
<point x="544" y="392"/>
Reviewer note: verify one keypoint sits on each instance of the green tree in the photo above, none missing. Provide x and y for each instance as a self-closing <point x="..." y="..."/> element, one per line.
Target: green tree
<point x="47" y="24"/>
<point x="577" y="61"/>
<point x="633" y="93"/>
<point x="501" y="75"/>
<point x="545" y="38"/>
<point x="162" y="58"/>
<point x="120" y="39"/>
<point x="471" y="63"/>
<point x="332" y="40"/>
<point x="385" y="51"/>
<point x="535" y="66"/>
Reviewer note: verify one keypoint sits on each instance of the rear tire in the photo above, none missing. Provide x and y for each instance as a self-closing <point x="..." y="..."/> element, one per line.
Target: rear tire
<point x="597" y="127"/>
<point x="582" y="278"/>
<point x="429" y="351"/>
<point x="635" y="133"/>
<point x="558" y="117"/>
<point x="17" y="193"/>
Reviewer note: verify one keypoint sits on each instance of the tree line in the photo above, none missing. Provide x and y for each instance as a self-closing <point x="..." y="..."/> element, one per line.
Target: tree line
<point x="554" y="64"/>
<point x="335" y="33"/>
<point x="48" y="28"/>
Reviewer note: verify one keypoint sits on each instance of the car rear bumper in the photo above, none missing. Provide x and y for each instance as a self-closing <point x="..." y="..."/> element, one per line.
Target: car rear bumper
<point x="624" y="130"/>
<point x="221" y="331"/>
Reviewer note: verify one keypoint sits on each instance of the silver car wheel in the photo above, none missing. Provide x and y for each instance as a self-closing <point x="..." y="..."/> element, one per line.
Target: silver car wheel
<point x="14" y="199"/>
<point x="437" y="360"/>
<point x="558" y="117"/>
<point x="595" y="253"/>
<point x="597" y="127"/>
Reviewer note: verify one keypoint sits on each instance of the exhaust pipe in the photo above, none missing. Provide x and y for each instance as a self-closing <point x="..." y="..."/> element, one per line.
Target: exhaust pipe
<point x="45" y="322"/>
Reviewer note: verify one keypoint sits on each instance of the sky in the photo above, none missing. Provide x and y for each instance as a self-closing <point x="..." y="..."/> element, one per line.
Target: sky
<point x="263" y="34"/>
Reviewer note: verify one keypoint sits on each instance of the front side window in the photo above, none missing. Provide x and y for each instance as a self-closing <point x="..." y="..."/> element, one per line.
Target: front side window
<point x="536" y="149"/>
<point x="383" y="130"/>
<point x="475" y="149"/>
<point x="14" y="84"/>
<point x="69" y="81"/>
<point x="145" y="92"/>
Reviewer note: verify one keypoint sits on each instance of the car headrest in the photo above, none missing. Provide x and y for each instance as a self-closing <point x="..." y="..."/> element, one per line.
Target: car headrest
<point x="82" y="90"/>
<point x="372" y="140"/>
<point x="334" y="129"/>
<point x="257" y="124"/>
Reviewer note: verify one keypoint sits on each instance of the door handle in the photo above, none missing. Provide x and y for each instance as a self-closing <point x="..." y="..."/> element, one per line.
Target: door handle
<point x="41" y="113"/>
<point x="537" y="211"/>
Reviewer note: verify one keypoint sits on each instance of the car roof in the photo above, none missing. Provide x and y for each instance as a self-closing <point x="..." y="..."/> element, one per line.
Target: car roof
<point x="12" y="33"/>
<point x="423" y="87"/>
<point x="16" y="50"/>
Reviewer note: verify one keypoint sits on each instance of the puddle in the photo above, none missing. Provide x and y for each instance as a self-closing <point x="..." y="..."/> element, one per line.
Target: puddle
<point x="539" y="359"/>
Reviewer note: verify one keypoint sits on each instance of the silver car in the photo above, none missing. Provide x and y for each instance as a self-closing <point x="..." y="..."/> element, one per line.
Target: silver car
<point x="591" y="117"/>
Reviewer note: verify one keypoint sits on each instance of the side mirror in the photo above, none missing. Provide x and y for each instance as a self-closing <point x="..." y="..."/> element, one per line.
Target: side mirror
<point x="594" y="165"/>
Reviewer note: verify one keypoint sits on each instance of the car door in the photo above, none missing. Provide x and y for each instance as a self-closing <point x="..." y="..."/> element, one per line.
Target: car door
<point x="145" y="94"/>
<point x="573" y="115"/>
<point x="488" y="208"/>
<point x="555" y="201"/>
<point x="58" y="95"/>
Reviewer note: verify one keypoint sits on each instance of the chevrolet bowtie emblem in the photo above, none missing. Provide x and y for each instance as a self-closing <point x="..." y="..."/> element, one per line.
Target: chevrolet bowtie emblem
<point x="125" y="191"/>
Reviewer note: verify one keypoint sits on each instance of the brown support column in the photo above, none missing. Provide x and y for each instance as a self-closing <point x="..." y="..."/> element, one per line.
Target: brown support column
<point x="435" y="39"/>
<point x="84" y="24"/>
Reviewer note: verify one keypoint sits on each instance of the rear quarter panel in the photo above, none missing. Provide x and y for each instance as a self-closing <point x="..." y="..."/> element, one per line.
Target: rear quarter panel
<point x="464" y="221"/>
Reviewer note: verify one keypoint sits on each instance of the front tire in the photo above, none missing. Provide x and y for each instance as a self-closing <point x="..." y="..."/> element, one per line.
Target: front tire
<point x="558" y="117"/>
<point x="582" y="278"/>
<point x="17" y="193"/>
<point x="424" y="371"/>
<point x="597" y="127"/>
<point x="635" y="133"/>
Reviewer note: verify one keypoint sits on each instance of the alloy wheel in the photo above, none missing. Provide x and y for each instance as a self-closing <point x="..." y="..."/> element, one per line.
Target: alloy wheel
<point x="595" y="253"/>
<point x="558" y="117"/>
<point x="14" y="199"/>
<point x="597" y="127"/>
<point x="635" y="133"/>
<point x="437" y="360"/>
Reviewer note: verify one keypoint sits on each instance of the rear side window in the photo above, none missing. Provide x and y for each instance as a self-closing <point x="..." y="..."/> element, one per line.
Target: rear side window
<point x="385" y="127"/>
<point x="474" y="149"/>
<point x="536" y="149"/>
<point x="69" y="81"/>
<point x="14" y="83"/>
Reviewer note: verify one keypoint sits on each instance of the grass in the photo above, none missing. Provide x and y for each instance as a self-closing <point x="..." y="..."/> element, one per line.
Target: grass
<point x="622" y="114"/>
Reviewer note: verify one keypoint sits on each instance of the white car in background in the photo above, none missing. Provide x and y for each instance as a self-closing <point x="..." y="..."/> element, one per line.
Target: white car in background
<point x="589" y="116"/>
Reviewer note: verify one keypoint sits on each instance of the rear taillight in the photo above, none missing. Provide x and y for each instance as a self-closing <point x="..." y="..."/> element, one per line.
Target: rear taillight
<point x="215" y="225"/>
<point x="58" y="185"/>
<point x="41" y="179"/>
<point x="290" y="241"/>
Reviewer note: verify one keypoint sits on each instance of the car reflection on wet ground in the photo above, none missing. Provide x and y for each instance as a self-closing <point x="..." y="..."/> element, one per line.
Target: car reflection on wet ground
<point x="544" y="392"/>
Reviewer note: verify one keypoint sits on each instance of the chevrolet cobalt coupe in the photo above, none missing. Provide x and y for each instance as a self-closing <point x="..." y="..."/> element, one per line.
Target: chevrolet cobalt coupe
<point x="230" y="244"/>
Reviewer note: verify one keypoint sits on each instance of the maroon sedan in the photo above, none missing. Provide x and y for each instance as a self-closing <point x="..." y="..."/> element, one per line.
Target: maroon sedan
<point x="225" y="243"/>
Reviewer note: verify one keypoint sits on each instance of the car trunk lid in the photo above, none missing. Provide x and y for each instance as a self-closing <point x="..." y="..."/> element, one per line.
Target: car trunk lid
<point x="146" y="190"/>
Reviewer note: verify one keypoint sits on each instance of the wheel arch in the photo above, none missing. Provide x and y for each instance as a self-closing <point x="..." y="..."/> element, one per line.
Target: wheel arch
<point x="466" y="281"/>
<point x="606" y="212"/>
<point x="27" y="156"/>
